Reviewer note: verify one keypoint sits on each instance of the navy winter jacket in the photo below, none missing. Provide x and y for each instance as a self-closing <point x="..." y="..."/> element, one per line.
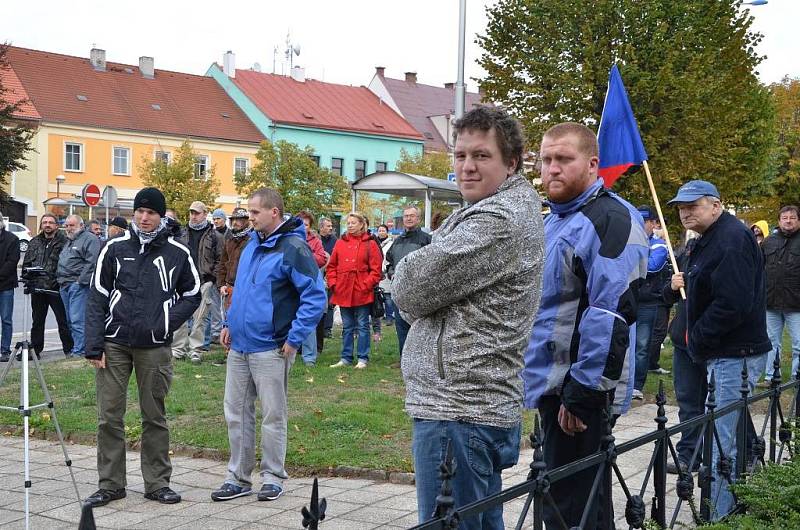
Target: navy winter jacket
<point x="726" y="294"/>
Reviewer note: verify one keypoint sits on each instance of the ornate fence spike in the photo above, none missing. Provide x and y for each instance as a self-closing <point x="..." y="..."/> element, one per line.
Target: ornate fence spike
<point x="661" y="400"/>
<point x="711" y="401"/>
<point x="316" y="509"/>
<point x="745" y="388"/>
<point x="776" y="372"/>
<point x="445" y="503"/>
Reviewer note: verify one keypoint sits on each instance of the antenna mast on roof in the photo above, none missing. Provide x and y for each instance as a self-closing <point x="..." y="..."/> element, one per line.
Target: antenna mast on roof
<point x="291" y="50"/>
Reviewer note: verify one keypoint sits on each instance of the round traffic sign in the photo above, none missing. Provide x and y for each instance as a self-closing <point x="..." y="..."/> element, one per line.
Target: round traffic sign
<point x="109" y="196"/>
<point x="91" y="195"/>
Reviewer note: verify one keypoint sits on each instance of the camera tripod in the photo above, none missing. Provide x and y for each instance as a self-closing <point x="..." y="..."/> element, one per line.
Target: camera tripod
<point x="22" y="353"/>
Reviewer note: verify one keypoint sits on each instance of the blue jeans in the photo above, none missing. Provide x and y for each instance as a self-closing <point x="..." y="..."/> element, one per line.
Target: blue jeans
<point x="776" y="320"/>
<point x="728" y="380"/>
<point x="402" y="328"/>
<point x="645" y="318"/>
<point x="309" y="348"/>
<point x="691" y="390"/>
<point x="74" y="297"/>
<point x="6" y="317"/>
<point x="480" y="453"/>
<point x="388" y="307"/>
<point x="355" y="319"/>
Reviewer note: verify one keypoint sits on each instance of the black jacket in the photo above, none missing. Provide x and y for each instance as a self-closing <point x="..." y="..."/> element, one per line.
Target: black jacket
<point x="726" y="293"/>
<point x="139" y="296"/>
<point x="9" y="257"/>
<point x="403" y="245"/>
<point x="782" y="256"/>
<point x="43" y="252"/>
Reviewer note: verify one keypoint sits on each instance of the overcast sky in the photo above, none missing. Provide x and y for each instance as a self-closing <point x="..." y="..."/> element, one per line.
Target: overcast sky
<point x="340" y="41"/>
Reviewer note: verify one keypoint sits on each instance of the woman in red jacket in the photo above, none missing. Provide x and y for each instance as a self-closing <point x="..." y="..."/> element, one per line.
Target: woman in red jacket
<point x="353" y="272"/>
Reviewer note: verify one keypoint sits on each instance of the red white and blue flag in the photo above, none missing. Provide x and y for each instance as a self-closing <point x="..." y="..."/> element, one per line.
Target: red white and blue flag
<point x="621" y="147"/>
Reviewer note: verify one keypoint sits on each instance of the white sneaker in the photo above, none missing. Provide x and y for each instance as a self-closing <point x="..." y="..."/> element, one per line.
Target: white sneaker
<point x="637" y="394"/>
<point x="361" y="365"/>
<point x="340" y="364"/>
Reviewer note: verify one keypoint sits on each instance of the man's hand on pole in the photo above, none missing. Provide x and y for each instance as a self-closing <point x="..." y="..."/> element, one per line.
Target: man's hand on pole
<point x="676" y="282"/>
<point x="569" y="422"/>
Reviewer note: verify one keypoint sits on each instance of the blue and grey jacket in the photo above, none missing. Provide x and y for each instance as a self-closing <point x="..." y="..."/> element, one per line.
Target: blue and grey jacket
<point x="595" y="257"/>
<point x="280" y="296"/>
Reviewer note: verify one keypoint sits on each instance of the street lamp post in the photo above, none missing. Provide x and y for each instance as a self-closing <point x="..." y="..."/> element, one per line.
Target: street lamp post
<point x="462" y="28"/>
<point x="59" y="180"/>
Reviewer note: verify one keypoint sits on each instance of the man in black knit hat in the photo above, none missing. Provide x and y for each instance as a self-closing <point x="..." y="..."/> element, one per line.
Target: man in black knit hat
<point x="145" y="287"/>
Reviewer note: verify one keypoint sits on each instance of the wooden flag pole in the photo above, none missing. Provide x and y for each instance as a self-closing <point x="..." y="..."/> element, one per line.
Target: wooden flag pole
<point x="663" y="224"/>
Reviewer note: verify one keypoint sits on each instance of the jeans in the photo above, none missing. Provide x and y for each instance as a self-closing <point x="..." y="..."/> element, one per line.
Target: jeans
<point x="728" y="380"/>
<point x="355" y="319"/>
<point x="775" y="323"/>
<point x="645" y="319"/>
<point x="74" y="297"/>
<point x="388" y="307"/>
<point x="402" y="328"/>
<point x="263" y="376"/>
<point x="308" y="348"/>
<point x="6" y="317"/>
<point x="480" y="453"/>
<point x="39" y="304"/>
<point x="691" y="390"/>
<point x="190" y="338"/>
<point x="153" y="368"/>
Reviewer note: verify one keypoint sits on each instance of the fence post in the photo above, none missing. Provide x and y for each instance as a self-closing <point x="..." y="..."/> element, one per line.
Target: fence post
<point x="316" y="509"/>
<point x="741" y="425"/>
<point x="607" y="445"/>
<point x="659" y="508"/>
<point x="774" y="401"/>
<point x="705" y="477"/>
<point x="445" y="503"/>
<point x="538" y="473"/>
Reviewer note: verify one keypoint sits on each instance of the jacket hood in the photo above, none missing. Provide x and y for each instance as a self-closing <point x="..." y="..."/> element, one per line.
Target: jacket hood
<point x="763" y="226"/>
<point x="293" y="226"/>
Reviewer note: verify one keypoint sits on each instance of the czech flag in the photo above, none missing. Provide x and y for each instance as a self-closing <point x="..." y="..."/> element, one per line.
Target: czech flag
<point x="621" y="147"/>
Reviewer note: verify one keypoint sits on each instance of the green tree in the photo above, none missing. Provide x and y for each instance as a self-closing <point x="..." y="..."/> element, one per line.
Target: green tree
<point x="290" y="170"/>
<point x="688" y="66"/>
<point x="431" y="164"/>
<point x="787" y="151"/>
<point x="15" y="135"/>
<point x="180" y="182"/>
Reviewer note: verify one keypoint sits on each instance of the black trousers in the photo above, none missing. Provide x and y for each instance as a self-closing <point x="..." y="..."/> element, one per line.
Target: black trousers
<point x="571" y="494"/>
<point x="40" y="302"/>
<point x="657" y="336"/>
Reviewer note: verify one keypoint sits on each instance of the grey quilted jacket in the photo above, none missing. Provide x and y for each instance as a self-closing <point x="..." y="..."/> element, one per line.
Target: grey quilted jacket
<point x="471" y="296"/>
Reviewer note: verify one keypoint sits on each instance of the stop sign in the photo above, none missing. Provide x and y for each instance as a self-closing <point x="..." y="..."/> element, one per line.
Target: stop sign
<point x="91" y="195"/>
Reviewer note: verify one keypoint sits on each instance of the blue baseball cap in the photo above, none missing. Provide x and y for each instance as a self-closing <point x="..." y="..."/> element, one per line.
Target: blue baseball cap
<point x="693" y="190"/>
<point x="647" y="213"/>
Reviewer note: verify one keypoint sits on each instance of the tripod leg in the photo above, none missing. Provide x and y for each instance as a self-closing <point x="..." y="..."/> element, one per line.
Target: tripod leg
<point x="52" y="407"/>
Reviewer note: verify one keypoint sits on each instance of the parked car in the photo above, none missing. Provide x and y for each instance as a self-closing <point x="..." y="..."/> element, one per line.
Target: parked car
<point x="22" y="232"/>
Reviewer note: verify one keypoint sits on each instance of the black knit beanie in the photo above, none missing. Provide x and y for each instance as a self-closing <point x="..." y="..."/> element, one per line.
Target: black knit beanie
<point x="150" y="198"/>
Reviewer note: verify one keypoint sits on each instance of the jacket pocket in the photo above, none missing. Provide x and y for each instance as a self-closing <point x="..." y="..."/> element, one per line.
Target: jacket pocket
<point x="161" y="379"/>
<point x="439" y="355"/>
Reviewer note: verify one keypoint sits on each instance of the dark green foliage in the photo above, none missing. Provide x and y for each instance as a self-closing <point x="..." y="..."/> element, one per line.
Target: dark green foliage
<point x="15" y="135"/>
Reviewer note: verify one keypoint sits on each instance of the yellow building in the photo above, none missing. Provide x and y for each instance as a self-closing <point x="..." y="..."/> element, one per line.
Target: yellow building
<point x="96" y="122"/>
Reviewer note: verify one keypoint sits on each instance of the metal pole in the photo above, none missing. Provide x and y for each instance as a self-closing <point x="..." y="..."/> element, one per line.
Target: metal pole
<point x="428" y="209"/>
<point x="462" y="28"/>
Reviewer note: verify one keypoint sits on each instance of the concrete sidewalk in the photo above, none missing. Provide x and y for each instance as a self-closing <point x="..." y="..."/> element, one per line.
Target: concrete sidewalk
<point x="353" y="504"/>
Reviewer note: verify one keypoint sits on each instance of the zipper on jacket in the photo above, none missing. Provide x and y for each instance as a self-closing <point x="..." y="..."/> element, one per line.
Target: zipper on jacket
<point x="439" y="359"/>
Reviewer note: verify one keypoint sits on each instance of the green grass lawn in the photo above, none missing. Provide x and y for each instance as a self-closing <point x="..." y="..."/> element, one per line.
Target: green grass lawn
<point x="337" y="417"/>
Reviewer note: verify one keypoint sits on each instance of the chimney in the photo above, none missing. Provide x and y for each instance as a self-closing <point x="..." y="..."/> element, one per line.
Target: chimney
<point x="229" y="64"/>
<point x="379" y="71"/>
<point x="98" y="59"/>
<point x="482" y="92"/>
<point x="411" y="77"/>
<point x="298" y="73"/>
<point x="450" y="86"/>
<point x="147" y="67"/>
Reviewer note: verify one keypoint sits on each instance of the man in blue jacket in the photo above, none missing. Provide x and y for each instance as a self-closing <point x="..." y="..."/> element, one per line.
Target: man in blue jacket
<point x="280" y="298"/>
<point x="726" y="308"/>
<point x="578" y="360"/>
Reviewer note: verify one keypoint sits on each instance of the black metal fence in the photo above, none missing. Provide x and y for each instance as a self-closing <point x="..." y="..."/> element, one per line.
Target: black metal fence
<point x="774" y="433"/>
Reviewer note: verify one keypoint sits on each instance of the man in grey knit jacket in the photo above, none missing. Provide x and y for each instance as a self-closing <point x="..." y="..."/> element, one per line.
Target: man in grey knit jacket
<point x="471" y="296"/>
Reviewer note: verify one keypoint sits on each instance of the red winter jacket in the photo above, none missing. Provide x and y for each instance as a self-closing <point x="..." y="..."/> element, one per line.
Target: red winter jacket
<point x="315" y="244"/>
<point x="352" y="275"/>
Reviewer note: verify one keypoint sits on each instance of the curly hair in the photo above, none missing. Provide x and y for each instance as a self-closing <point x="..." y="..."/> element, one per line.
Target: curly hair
<point x="507" y="130"/>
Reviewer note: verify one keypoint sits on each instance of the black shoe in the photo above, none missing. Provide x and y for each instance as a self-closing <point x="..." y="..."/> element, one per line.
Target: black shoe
<point x="672" y="469"/>
<point x="102" y="497"/>
<point x="5" y="357"/>
<point x="164" y="495"/>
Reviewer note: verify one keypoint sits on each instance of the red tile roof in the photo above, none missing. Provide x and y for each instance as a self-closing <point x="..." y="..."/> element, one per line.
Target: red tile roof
<point x="15" y="93"/>
<point x="417" y="102"/>
<point x="121" y="98"/>
<point x="313" y="103"/>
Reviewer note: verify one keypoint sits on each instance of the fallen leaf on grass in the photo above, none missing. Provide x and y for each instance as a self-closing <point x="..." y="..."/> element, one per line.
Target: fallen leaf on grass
<point x="171" y="453"/>
<point x="318" y="412"/>
<point x="45" y="416"/>
<point x="342" y="380"/>
<point x="384" y="381"/>
<point x="198" y="376"/>
<point x="296" y="427"/>
<point x="310" y="380"/>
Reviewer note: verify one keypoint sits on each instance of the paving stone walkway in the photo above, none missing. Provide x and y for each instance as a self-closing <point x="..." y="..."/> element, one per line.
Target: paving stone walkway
<point x="353" y="504"/>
